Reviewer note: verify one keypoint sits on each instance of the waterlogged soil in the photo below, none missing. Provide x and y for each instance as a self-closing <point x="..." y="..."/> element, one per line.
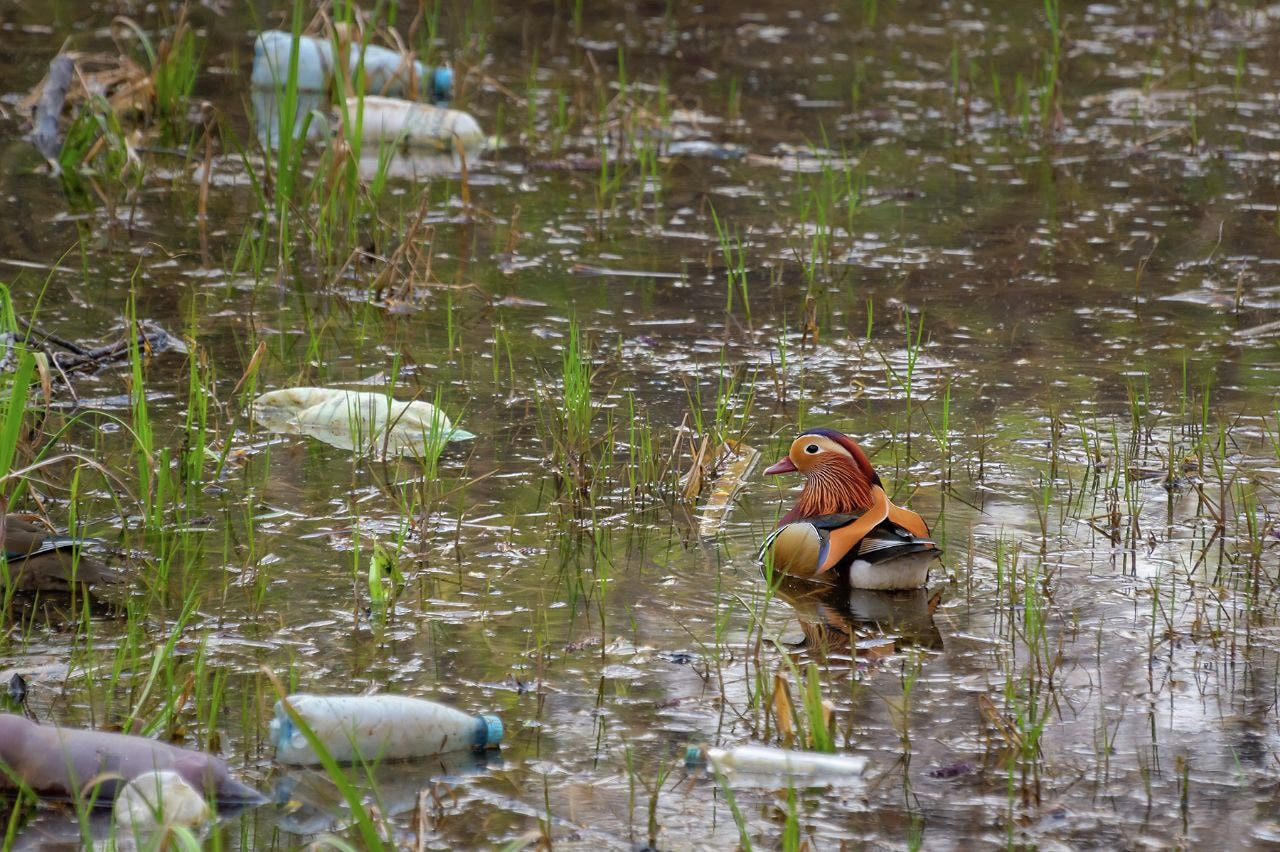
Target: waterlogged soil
<point x="1035" y="278"/>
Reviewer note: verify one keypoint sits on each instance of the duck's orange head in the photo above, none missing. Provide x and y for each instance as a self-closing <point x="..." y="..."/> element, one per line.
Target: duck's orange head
<point x="838" y="475"/>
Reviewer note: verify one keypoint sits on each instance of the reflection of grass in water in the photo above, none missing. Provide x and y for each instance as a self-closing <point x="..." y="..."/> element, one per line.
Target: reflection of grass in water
<point x="578" y="409"/>
<point x="635" y="775"/>
<point x="905" y="379"/>
<point x="727" y="426"/>
<point x="827" y="205"/>
<point x="941" y="429"/>
<point x="744" y="836"/>
<point x="1050" y="95"/>
<point x="152" y="470"/>
<point x="643" y="470"/>
<point x="532" y="111"/>
<point x="733" y="250"/>
<point x="1029" y="665"/>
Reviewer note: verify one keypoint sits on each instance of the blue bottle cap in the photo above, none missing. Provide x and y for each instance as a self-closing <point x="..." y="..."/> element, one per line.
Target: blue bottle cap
<point x="488" y="731"/>
<point x="442" y="86"/>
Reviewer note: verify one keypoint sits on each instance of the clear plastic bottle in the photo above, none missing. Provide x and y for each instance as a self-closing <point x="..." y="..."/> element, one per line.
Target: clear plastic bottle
<point x="764" y="759"/>
<point x="378" y="727"/>
<point x="386" y="72"/>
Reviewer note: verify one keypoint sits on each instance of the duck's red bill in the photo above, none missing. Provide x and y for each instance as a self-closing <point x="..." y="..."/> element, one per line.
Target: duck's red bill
<point x="784" y="465"/>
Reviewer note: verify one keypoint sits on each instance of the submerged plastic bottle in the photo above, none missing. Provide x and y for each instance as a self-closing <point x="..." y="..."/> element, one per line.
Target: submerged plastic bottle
<point x="763" y="759"/>
<point x="374" y="727"/>
<point x="386" y="72"/>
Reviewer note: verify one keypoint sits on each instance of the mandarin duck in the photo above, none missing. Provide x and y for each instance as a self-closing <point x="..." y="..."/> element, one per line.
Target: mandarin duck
<point x="844" y="526"/>
<point x="38" y="559"/>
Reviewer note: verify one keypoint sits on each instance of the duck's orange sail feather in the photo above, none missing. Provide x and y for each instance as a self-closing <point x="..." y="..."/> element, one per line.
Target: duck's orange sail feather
<point x="843" y="540"/>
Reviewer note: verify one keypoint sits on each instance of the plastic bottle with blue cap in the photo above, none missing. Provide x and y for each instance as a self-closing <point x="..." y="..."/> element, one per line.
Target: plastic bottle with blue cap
<point x="386" y="72"/>
<point x="385" y="116"/>
<point x="377" y="727"/>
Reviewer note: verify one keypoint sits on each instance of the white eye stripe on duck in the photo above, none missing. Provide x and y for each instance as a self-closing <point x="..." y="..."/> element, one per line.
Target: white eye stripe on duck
<point x="812" y="445"/>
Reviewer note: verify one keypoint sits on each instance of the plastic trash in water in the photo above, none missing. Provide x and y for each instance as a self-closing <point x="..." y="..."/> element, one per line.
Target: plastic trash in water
<point x="411" y="126"/>
<point x="59" y="762"/>
<point x="310" y="116"/>
<point x="751" y="759"/>
<point x="386" y="72"/>
<point x="416" y="125"/>
<point x="377" y="727"/>
<point x="424" y="122"/>
<point x="159" y="799"/>
<point x="367" y="421"/>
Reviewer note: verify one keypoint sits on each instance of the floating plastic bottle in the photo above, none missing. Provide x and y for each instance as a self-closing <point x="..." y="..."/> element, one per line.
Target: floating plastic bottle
<point x="377" y="727"/>
<point x="411" y="126"/>
<point x="416" y="125"/>
<point x="386" y="71"/>
<point x="763" y="759"/>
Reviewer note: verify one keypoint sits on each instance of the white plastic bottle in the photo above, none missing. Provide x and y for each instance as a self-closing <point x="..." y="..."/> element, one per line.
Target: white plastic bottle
<point x="763" y="759"/>
<point x="271" y="61"/>
<point x="378" y="727"/>
<point x="417" y="125"/>
<point x="386" y="72"/>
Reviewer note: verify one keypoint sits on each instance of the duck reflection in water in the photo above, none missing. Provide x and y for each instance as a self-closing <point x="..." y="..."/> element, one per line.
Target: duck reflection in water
<point x="841" y="621"/>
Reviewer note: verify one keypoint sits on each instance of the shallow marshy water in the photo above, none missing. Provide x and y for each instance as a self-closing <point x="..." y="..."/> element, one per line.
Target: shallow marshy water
<point x="1029" y="268"/>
